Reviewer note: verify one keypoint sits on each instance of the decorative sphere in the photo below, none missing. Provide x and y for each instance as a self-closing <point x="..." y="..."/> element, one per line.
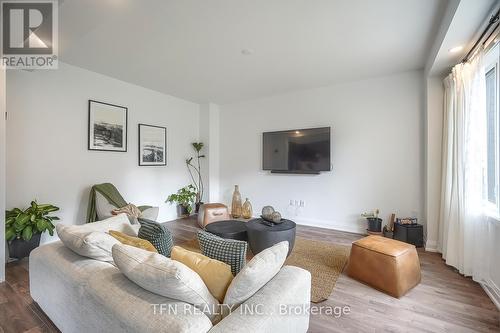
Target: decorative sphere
<point x="276" y="217"/>
<point x="267" y="211"/>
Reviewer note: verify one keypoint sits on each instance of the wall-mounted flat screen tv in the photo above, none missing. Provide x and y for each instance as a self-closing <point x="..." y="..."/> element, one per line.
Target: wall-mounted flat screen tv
<point x="297" y="151"/>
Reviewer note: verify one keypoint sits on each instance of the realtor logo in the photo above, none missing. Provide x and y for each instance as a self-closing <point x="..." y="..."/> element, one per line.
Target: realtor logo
<point x="29" y="34"/>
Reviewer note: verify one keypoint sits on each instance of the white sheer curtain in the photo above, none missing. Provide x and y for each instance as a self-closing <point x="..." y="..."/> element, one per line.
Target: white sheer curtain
<point x="463" y="235"/>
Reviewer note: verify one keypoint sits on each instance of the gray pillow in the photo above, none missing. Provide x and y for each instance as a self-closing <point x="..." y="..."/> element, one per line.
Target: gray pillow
<point x="232" y="252"/>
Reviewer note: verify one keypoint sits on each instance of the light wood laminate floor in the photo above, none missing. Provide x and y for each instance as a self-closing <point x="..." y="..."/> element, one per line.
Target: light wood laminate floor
<point x="444" y="301"/>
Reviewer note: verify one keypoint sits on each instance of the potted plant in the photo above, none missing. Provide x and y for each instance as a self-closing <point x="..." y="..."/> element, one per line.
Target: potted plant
<point x="185" y="198"/>
<point x="374" y="222"/>
<point x="195" y="173"/>
<point x="23" y="228"/>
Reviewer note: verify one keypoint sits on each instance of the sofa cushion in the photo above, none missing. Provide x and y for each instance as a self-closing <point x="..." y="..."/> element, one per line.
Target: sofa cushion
<point x="259" y="271"/>
<point x="132" y="241"/>
<point x="95" y="245"/>
<point x="232" y="252"/>
<point x="216" y="274"/>
<point x="124" y="303"/>
<point x="157" y="235"/>
<point x="166" y="277"/>
<point x="281" y="306"/>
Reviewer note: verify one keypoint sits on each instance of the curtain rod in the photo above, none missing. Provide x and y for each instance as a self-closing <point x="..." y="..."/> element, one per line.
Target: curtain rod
<point x="493" y="19"/>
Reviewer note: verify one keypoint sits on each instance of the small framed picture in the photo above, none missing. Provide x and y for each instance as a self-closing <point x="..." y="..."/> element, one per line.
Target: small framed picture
<point x="107" y="127"/>
<point x="152" y="145"/>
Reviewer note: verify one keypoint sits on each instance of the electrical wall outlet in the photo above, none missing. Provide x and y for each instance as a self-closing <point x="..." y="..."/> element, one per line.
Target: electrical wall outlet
<point x="295" y="207"/>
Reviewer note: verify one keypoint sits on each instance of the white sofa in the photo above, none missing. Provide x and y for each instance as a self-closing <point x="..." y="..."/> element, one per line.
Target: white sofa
<point x="84" y="295"/>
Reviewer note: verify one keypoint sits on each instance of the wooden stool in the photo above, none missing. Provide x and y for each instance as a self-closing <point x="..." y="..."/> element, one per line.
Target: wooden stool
<point x="385" y="264"/>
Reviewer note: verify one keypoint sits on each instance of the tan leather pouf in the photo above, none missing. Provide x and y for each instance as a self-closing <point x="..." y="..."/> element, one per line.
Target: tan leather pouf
<point x="212" y="212"/>
<point x="385" y="264"/>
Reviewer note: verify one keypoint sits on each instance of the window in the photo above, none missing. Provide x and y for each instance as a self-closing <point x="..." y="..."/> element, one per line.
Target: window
<point x="492" y="194"/>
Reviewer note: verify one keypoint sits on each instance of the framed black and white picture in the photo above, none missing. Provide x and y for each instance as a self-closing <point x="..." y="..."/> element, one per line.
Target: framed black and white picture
<point x="107" y="127"/>
<point x="152" y="145"/>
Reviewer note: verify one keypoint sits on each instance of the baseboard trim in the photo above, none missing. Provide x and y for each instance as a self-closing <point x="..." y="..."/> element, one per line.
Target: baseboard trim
<point x="493" y="291"/>
<point x="431" y="246"/>
<point x="355" y="229"/>
<point x="431" y="249"/>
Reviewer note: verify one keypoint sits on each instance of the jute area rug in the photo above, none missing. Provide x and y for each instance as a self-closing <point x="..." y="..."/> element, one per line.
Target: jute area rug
<point x="325" y="262"/>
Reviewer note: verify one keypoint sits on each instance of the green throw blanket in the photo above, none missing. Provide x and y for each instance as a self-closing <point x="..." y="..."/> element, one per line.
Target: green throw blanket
<point x="114" y="197"/>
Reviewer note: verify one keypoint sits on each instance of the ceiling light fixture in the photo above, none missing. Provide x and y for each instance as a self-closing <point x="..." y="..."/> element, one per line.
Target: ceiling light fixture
<point x="456" y="49"/>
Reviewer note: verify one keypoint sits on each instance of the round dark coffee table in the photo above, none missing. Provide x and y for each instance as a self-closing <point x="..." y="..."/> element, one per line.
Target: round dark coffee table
<point x="261" y="235"/>
<point x="232" y="229"/>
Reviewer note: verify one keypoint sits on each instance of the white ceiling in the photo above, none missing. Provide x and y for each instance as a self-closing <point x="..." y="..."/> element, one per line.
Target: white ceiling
<point x="463" y="23"/>
<point x="192" y="48"/>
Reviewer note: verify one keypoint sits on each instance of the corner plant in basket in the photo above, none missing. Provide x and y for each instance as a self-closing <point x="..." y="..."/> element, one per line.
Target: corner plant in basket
<point x="23" y="228"/>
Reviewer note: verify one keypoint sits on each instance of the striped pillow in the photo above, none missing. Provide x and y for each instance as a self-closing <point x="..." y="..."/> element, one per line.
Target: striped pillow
<point x="157" y="235"/>
<point x="230" y="251"/>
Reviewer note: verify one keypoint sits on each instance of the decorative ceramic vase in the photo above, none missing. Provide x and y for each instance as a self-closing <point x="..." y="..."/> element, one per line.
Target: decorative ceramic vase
<point x="236" y="204"/>
<point x="276" y="217"/>
<point x="267" y="211"/>
<point x="246" y="211"/>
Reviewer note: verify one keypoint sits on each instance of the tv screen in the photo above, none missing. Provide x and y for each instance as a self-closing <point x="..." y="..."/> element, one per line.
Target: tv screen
<point x="297" y="151"/>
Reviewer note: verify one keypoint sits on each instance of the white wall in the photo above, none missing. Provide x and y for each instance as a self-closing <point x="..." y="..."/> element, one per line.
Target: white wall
<point x="47" y="156"/>
<point x="492" y="281"/>
<point x="433" y="143"/>
<point x="2" y="174"/>
<point x="209" y="135"/>
<point x="377" y="150"/>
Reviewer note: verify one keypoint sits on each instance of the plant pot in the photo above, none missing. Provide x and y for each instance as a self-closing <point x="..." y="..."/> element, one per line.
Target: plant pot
<point x="182" y="211"/>
<point x="374" y="224"/>
<point x="388" y="234"/>
<point x="19" y="248"/>
<point x="197" y="207"/>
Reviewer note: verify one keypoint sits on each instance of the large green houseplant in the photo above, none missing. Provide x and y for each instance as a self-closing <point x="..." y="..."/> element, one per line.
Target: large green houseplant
<point x="185" y="198"/>
<point x="23" y="228"/>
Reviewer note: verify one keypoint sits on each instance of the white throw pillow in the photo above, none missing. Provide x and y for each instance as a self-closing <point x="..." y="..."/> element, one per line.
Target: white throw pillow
<point x="119" y="223"/>
<point x="166" y="277"/>
<point x="255" y="275"/>
<point x="95" y="245"/>
<point x="150" y="213"/>
<point x="91" y="240"/>
<point x="103" y="207"/>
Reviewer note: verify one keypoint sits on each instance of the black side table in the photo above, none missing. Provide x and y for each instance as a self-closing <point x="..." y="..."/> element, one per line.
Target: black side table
<point x="409" y="233"/>
<point x="232" y="229"/>
<point x="261" y="236"/>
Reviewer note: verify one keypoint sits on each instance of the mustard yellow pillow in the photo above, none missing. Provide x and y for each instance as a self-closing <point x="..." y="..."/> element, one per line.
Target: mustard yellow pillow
<point x="133" y="241"/>
<point x="216" y="274"/>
